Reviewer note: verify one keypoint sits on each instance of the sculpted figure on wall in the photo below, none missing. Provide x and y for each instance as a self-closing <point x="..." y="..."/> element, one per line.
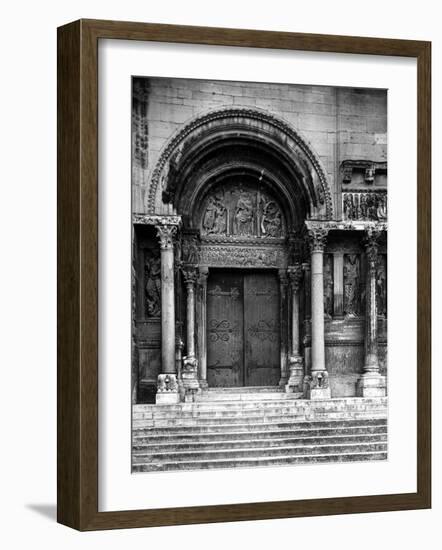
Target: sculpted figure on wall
<point x="381" y="285"/>
<point x="352" y="299"/>
<point x="152" y="270"/>
<point x="270" y="219"/>
<point x="215" y="215"/>
<point x="244" y="214"/>
<point x="190" y="252"/>
<point x="328" y="285"/>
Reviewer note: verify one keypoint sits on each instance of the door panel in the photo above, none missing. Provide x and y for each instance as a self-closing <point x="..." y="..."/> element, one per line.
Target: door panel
<point x="261" y="329"/>
<point x="225" y="327"/>
<point x="243" y="329"/>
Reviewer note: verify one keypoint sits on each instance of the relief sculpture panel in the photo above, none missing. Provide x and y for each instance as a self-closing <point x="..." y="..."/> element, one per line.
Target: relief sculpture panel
<point x="365" y="206"/>
<point x="242" y="211"/>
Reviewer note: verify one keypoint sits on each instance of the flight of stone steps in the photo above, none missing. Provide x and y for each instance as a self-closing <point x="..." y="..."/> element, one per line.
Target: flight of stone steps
<point x="250" y="429"/>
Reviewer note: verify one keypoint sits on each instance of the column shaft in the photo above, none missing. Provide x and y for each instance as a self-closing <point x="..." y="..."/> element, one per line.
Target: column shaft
<point x="318" y="351"/>
<point x="283" y="283"/>
<point x="202" y="324"/>
<point x="167" y="312"/>
<point x="190" y="319"/>
<point x="317" y="385"/>
<point x="371" y="383"/>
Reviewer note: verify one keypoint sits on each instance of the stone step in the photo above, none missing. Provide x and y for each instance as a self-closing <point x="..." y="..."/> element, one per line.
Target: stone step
<point x="226" y="409"/>
<point x="238" y="432"/>
<point x="146" y="445"/>
<point x="329" y="405"/>
<point x="257" y="452"/>
<point x="283" y="460"/>
<point x="251" y="423"/>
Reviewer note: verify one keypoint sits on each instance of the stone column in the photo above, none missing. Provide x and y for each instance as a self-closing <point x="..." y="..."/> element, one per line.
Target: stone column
<point x="167" y="391"/>
<point x="371" y="383"/>
<point x="202" y="326"/>
<point x="283" y="310"/>
<point x="338" y="279"/>
<point x="296" y="363"/>
<point x="317" y="383"/>
<point x="189" y="372"/>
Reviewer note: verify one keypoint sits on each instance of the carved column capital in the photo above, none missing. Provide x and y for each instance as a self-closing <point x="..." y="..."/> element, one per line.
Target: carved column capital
<point x="190" y="274"/>
<point x="282" y="276"/>
<point x="295" y="277"/>
<point x="371" y="243"/>
<point x="166" y="234"/>
<point x="317" y="238"/>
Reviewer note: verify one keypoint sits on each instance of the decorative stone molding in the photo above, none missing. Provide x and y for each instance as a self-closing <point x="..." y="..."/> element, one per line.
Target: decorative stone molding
<point x="149" y="219"/>
<point x="173" y="150"/>
<point x="368" y="168"/>
<point x="238" y="256"/>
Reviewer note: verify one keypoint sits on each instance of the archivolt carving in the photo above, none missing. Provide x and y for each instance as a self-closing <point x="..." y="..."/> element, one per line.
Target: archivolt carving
<point x="237" y="115"/>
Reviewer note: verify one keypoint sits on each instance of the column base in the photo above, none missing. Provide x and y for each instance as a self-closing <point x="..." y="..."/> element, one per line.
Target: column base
<point x="371" y="384"/>
<point x="316" y="386"/>
<point x="189" y="377"/>
<point x="167" y="390"/>
<point x="203" y="384"/>
<point x="296" y="376"/>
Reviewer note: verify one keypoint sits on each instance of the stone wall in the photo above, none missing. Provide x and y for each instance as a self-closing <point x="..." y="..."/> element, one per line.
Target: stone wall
<point x="339" y="123"/>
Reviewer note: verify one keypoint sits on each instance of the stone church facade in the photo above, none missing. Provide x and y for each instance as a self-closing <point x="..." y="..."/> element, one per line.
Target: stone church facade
<point x="259" y="240"/>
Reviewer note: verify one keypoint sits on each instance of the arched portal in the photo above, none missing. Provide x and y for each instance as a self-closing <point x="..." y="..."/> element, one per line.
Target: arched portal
<point x="243" y="182"/>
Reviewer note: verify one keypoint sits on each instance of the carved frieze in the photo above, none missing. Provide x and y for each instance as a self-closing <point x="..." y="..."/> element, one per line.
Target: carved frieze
<point x="366" y="206"/>
<point x="241" y="256"/>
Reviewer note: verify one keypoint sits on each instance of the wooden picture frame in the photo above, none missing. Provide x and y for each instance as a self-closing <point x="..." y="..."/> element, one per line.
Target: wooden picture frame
<point x="78" y="274"/>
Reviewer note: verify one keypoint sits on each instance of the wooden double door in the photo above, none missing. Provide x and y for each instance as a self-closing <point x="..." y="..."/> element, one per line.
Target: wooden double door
<point x="243" y="340"/>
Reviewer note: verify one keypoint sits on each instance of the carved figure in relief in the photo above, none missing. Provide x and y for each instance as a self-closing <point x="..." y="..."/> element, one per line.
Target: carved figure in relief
<point x="190" y="250"/>
<point x="351" y="285"/>
<point x="271" y="219"/>
<point x="348" y="206"/>
<point x="244" y="215"/>
<point x="328" y="285"/>
<point x="363" y="206"/>
<point x="215" y="216"/>
<point x="381" y="285"/>
<point x="381" y="211"/>
<point x="152" y="270"/>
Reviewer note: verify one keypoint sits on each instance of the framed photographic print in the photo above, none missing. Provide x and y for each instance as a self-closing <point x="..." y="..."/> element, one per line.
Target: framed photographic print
<point x="244" y="275"/>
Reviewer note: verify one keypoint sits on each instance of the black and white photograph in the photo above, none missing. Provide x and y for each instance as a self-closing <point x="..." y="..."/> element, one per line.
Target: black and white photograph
<point x="259" y="274"/>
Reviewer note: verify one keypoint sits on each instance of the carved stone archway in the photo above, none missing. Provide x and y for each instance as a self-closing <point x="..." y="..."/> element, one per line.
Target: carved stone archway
<point x="267" y="143"/>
